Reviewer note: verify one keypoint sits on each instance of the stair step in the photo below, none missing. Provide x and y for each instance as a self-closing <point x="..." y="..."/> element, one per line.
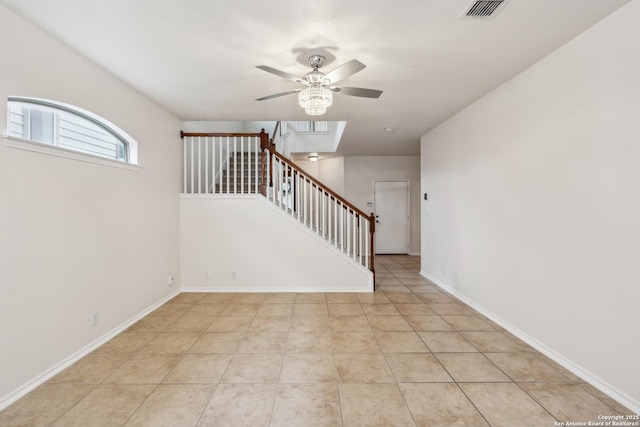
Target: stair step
<point x="239" y="181"/>
<point x="238" y="189"/>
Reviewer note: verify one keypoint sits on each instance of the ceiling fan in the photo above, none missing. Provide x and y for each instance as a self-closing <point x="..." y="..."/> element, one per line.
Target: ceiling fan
<point x="318" y="92"/>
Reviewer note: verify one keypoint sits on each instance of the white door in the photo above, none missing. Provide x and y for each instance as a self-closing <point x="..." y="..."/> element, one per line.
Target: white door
<point x="391" y="200"/>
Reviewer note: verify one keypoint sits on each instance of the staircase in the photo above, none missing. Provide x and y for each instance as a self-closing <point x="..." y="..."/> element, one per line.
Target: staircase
<point x="248" y="163"/>
<point x="242" y="174"/>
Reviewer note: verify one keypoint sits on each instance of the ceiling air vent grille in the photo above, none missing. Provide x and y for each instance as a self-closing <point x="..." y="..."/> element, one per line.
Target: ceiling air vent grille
<point x="483" y="9"/>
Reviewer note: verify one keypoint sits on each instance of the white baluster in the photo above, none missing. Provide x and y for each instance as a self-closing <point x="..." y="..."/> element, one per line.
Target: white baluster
<point x="235" y="166"/>
<point x="368" y="242"/>
<point x="257" y="160"/>
<point x="206" y="165"/>
<point x="279" y="183"/>
<point x="330" y="218"/>
<point x="317" y="215"/>
<point x="255" y="164"/>
<point x="214" y="159"/>
<point x="199" y="164"/>
<point x="241" y="164"/>
<point x="354" y="239"/>
<point x="220" y="160"/>
<point x="361" y="248"/>
<point x="184" y="164"/>
<point x="304" y="200"/>
<point x="324" y="215"/>
<point x="359" y="238"/>
<point x="347" y="229"/>
<point x="192" y="171"/>
<point x="229" y="163"/>
<point x="296" y="192"/>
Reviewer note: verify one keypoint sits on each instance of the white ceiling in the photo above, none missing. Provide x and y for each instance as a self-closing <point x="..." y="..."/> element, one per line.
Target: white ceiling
<point x="197" y="57"/>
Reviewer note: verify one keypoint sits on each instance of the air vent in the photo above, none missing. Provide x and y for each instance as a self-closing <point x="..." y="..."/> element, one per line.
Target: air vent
<point x="483" y="9"/>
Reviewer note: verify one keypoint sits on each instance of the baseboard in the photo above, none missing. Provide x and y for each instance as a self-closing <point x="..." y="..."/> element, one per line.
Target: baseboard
<point x="542" y="348"/>
<point x="50" y="373"/>
<point x="271" y="289"/>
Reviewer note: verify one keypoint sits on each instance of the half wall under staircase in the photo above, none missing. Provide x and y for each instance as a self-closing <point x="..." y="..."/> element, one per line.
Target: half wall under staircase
<point x="236" y="181"/>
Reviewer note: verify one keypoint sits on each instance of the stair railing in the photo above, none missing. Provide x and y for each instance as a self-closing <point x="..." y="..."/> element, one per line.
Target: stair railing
<point x="223" y="163"/>
<point x="321" y="209"/>
<point x="241" y="163"/>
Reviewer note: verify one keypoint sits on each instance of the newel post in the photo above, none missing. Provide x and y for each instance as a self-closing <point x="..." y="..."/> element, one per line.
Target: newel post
<point x="372" y="230"/>
<point x="264" y="142"/>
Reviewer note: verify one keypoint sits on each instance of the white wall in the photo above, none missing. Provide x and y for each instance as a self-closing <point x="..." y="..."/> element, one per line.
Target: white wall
<point x="329" y="171"/>
<point x="311" y="168"/>
<point x="212" y="127"/>
<point x="76" y="237"/>
<point x="247" y="245"/>
<point x="534" y="204"/>
<point x="361" y="172"/>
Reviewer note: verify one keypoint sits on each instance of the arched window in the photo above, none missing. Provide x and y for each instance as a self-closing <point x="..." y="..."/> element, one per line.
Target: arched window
<point x="68" y="127"/>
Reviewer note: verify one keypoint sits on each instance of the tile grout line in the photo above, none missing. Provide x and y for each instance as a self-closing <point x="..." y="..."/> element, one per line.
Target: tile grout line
<point x="172" y="368"/>
<point x="394" y="299"/>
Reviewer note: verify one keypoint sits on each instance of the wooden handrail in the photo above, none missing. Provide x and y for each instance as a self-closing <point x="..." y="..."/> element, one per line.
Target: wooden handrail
<point x="183" y="134"/>
<point x="317" y="183"/>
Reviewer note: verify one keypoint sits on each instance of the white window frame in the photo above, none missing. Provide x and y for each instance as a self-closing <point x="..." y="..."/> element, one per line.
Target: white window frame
<point x="130" y="145"/>
<point x="312" y="127"/>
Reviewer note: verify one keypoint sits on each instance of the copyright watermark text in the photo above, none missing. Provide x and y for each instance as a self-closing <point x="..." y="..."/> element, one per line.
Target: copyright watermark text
<point x="604" y="421"/>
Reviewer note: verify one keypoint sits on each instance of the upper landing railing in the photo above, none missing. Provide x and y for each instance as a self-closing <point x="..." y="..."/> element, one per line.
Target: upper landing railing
<point x="248" y="163"/>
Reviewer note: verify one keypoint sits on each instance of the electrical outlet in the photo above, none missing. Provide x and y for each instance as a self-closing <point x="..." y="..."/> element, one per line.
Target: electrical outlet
<point x="95" y="319"/>
<point x="207" y="275"/>
<point x="169" y="280"/>
<point x="233" y="275"/>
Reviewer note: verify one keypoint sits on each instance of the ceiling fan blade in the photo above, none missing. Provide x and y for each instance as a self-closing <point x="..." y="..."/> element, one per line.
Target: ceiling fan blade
<point x="358" y="91"/>
<point x="275" y="95"/>
<point x="280" y="73"/>
<point x="345" y="70"/>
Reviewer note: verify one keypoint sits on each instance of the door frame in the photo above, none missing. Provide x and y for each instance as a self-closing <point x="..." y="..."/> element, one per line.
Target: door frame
<point x="408" y="181"/>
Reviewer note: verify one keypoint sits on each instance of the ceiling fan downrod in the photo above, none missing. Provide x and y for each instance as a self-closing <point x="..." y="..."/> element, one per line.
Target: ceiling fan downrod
<point x="316" y="61"/>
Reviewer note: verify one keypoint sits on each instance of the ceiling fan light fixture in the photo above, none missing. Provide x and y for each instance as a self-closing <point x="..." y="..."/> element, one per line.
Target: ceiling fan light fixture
<point x="317" y="93"/>
<point x="315" y="99"/>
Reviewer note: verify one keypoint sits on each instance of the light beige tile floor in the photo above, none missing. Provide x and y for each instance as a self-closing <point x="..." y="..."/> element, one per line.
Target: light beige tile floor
<point x="408" y="354"/>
